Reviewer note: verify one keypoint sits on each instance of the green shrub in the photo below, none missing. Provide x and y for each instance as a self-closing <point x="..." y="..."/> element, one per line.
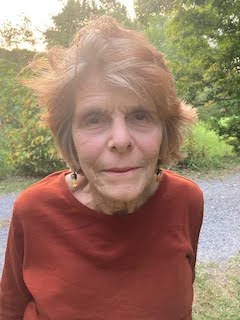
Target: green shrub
<point x="224" y="121"/>
<point x="31" y="147"/>
<point x="205" y="149"/>
<point x="5" y="169"/>
<point x="26" y="147"/>
<point x="229" y="128"/>
<point x="32" y="152"/>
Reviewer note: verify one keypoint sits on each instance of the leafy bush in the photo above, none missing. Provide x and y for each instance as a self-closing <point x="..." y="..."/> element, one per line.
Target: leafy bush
<point x="5" y="169"/>
<point x="31" y="148"/>
<point x="224" y="121"/>
<point x="229" y="128"/>
<point x="204" y="148"/>
<point x="26" y="146"/>
<point x="18" y="56"/>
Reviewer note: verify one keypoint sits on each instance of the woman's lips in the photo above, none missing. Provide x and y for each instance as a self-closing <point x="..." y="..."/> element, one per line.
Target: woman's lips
<point x="120" y="170"/>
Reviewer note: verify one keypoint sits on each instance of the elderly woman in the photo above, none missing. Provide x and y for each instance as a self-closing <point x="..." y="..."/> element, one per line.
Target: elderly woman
<point x="115" y="237"/>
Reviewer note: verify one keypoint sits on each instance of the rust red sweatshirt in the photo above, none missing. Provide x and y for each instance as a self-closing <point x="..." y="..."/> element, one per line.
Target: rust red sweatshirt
<point x="65" y="261"/>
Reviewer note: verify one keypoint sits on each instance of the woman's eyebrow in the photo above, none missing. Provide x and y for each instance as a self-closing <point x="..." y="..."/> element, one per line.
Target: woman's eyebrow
<point x="108" y="111"/>
<point x="92" y="109"/>
<point x="141" y="107"/>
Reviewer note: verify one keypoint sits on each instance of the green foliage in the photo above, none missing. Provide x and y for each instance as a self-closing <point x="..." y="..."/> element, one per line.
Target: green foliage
<point x="10" y="100"/>
<point x="5" y="169"/>
<point x="11" y="94"/>
<point x="229" y="128"/>
<point x="207" y="35"/>
<point x="156" y="32"/>
<point x="31" y="146"/>
<point x="26" y="146"/>
<point x="226" y="122"/>
<point x="201" y="41"/>
<point x="145" y="10"/>
<point x="115" y="9"/>
<point x="75" y="14"/>
<point x="204" y="149"/>
<point x="18" y="56"/>
<point x="15" y="35"/>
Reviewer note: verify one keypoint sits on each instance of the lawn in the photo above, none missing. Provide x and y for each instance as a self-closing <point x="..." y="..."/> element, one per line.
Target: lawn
<point x="217" y="291"/>
<point x="15" y="184"/>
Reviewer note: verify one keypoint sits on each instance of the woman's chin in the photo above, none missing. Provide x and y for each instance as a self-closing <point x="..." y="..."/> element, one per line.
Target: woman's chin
<point x="110" y="202"/>
<point x="121" y="195"/>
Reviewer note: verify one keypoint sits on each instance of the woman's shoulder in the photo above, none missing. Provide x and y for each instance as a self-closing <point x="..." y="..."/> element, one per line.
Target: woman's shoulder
<point x="181" y="185"/>
<point x="42" y="192"/>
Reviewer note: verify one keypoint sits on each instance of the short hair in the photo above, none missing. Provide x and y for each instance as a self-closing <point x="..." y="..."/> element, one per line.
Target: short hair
<point x="125" y="59"/>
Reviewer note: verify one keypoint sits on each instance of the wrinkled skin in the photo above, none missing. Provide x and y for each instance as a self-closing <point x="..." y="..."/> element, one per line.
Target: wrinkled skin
<point x="112" y="128"/>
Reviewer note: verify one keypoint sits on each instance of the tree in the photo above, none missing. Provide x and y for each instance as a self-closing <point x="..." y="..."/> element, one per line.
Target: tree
<point x="12" y="36"/>
<point x="115" y="9"/>
<point x="146" y="9"/>
<point x="156" y="32"/>
<point x="12" y="93"/>
<point x="202" y="41"/>
<point x="207" y="36"/>
<point x="75" y="14"/>
<point x="28" y="146"/>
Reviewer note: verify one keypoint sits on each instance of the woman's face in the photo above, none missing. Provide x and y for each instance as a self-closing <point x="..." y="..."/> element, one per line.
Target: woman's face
<point x="117" y="139"/>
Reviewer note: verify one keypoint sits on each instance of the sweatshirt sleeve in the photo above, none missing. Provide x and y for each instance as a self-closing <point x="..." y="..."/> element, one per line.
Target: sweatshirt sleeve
<point x="14" y="295"/>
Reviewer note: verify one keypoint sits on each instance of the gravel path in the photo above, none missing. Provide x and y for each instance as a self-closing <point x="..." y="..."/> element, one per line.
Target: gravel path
<point x="220" y="234"/>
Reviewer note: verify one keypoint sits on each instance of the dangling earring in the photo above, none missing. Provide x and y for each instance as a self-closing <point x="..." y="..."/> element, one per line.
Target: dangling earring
<point x="74" y="179"/>
<point x="158" y="172"/>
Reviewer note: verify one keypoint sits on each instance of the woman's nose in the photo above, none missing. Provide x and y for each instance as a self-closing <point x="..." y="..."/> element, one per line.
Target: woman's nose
<point x="120" y="138"/>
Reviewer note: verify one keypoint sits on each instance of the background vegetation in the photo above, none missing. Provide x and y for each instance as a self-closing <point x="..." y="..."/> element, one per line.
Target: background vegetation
<point x="217" y="291"/>
<point x="201" y="41"/>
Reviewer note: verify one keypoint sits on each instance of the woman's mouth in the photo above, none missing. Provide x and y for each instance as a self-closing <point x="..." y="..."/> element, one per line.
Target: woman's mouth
<point x="121" y="170"/>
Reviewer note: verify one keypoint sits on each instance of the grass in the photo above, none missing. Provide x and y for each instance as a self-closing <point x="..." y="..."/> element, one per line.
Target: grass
<point x="204" y="149"/>
<point x="217" y="291"/>
<point x="228" y="165"/>
<point x="15" y="184"/>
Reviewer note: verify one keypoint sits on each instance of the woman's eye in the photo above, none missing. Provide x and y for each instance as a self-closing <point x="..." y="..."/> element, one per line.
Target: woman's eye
<point x="94" y="119"/>
<point x="140" y="116"/>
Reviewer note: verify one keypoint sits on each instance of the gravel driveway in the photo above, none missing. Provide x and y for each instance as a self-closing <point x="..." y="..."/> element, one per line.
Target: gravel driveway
<point x="220" y="235"/>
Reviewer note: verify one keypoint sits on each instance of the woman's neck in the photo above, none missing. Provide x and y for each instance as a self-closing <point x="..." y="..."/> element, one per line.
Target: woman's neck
<point x="111" y="206"/>
<point x="91" y="198"/>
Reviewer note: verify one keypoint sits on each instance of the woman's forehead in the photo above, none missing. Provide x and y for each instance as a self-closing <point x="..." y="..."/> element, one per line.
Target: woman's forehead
<point x="96" y="89"/>
<point x="105" y="93"/>
<point x="109" y="98"/>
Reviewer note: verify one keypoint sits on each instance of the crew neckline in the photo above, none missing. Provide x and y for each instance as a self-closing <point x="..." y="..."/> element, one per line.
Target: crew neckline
<point x="83" y="209"/>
